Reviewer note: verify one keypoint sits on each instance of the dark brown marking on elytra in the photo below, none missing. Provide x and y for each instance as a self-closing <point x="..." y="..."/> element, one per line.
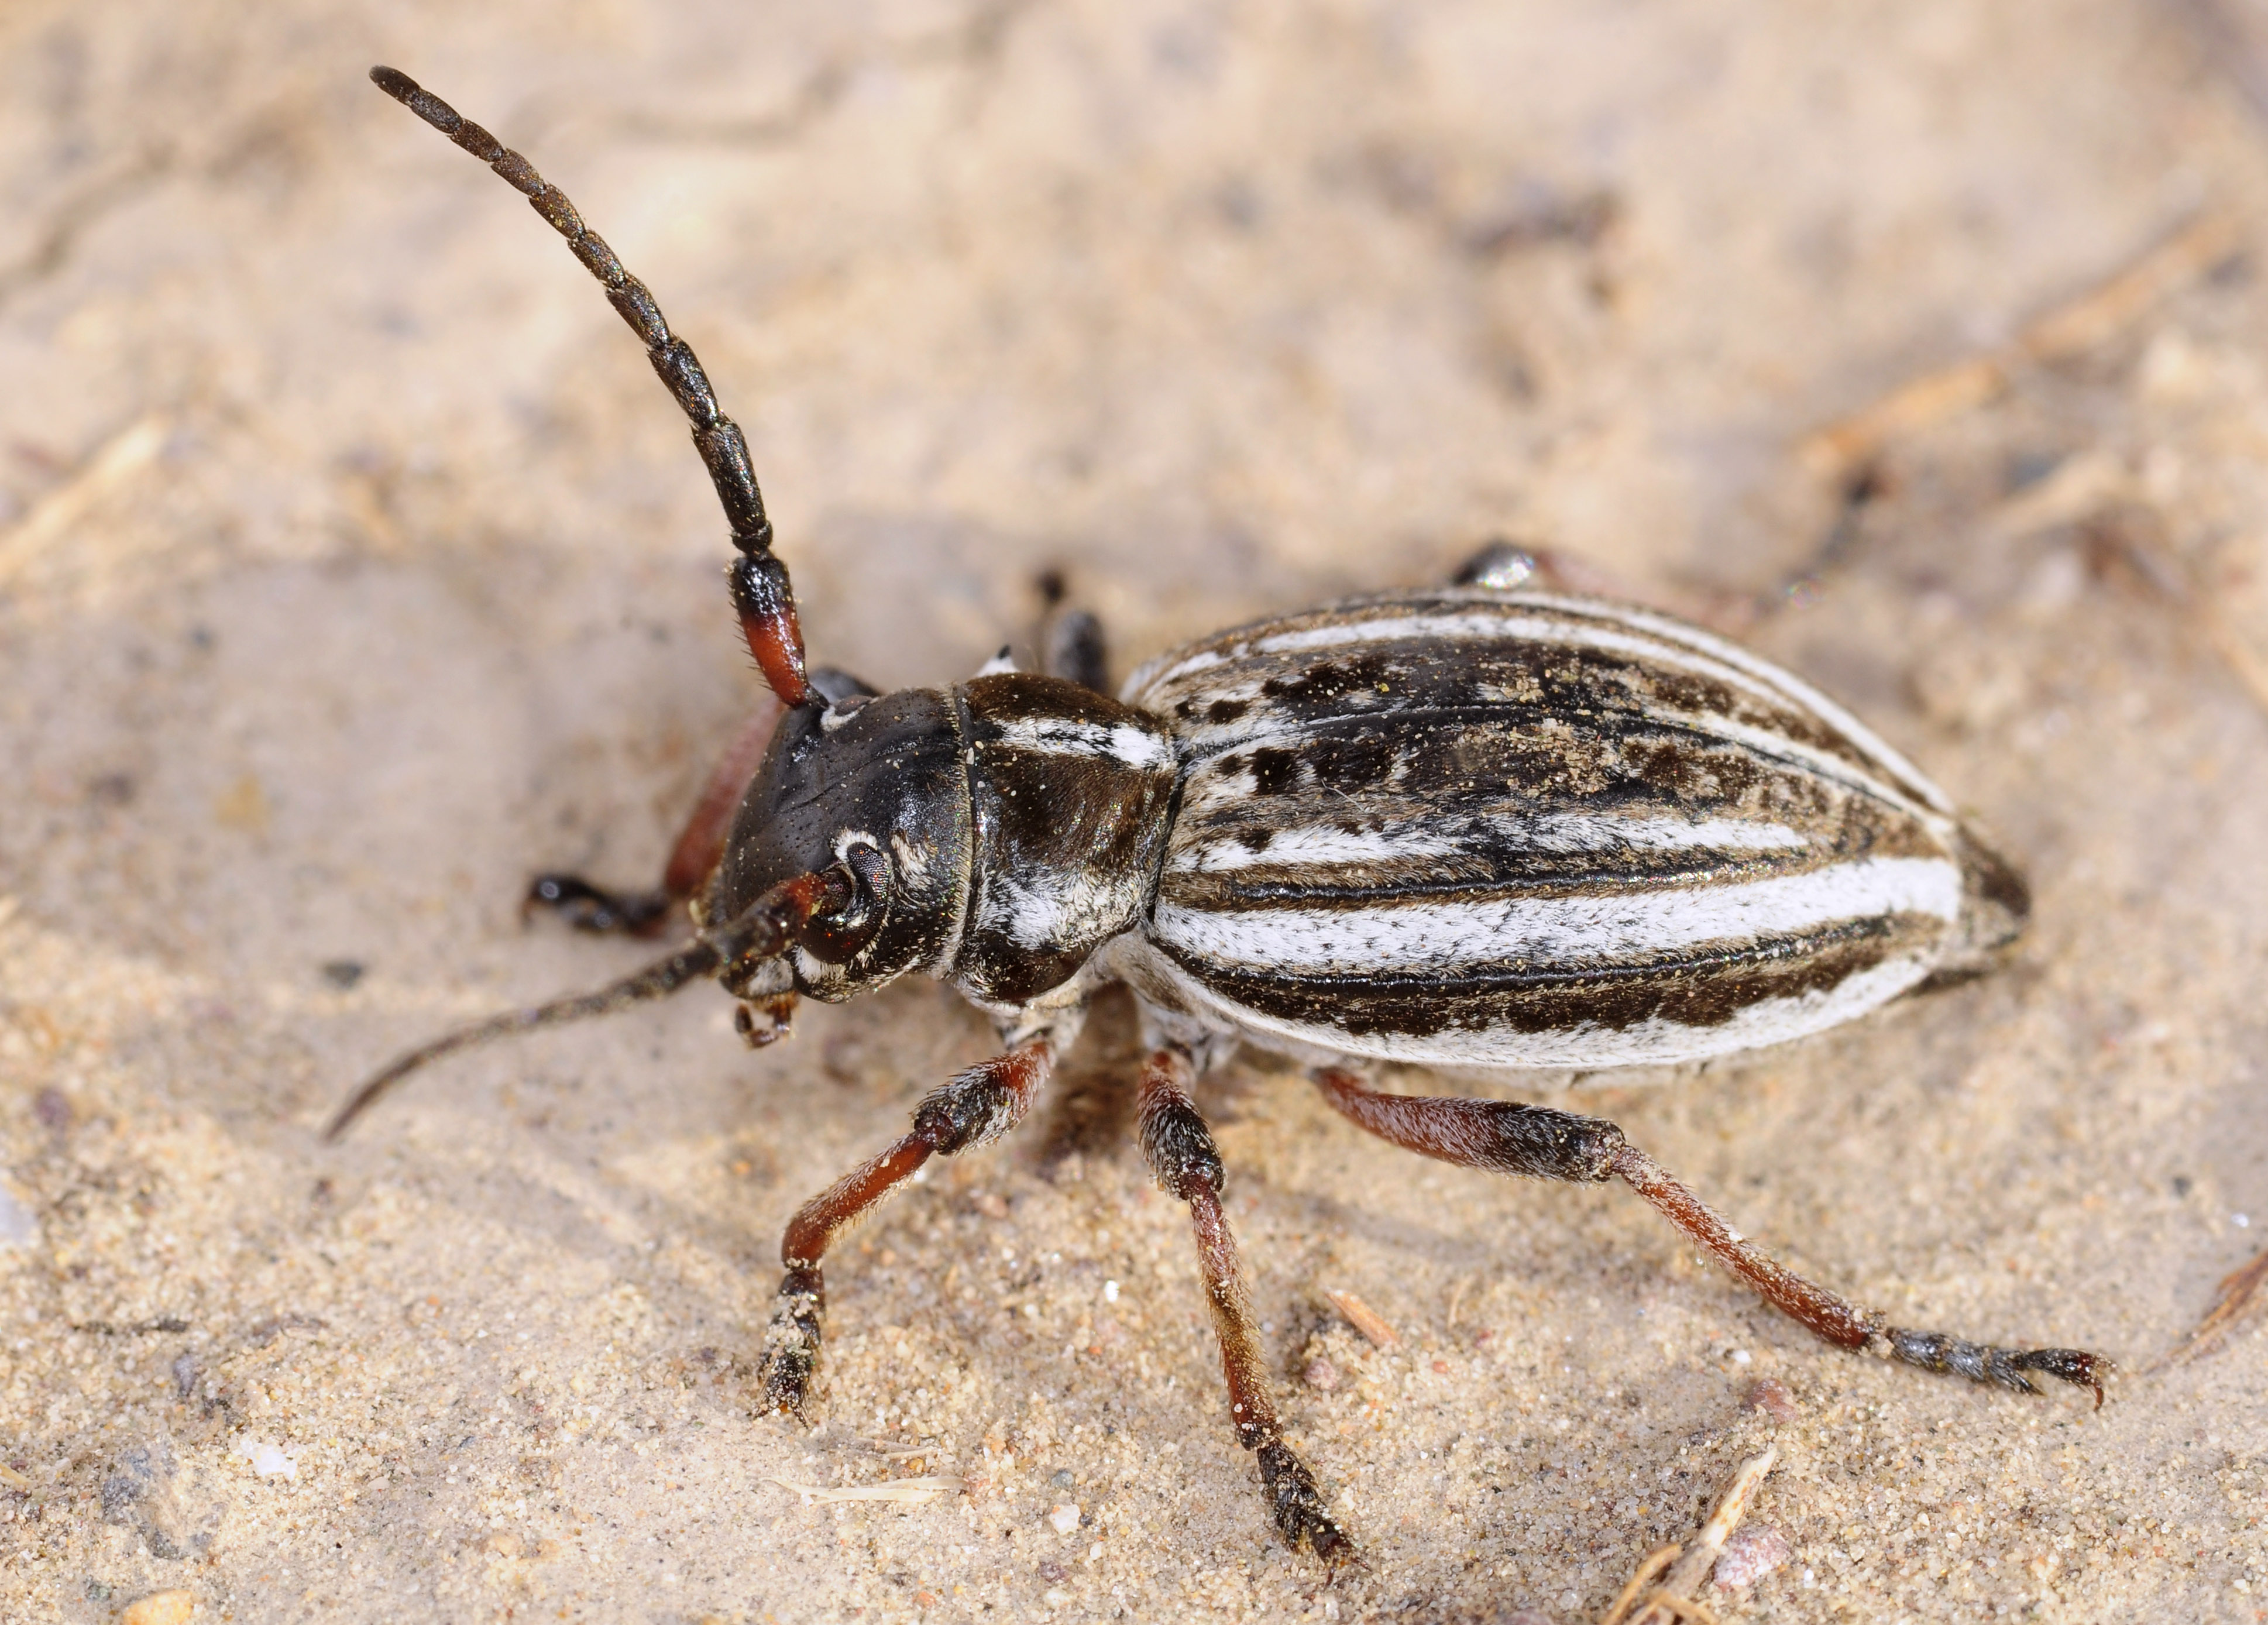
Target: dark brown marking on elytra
<point x="1475" y="876"/>
<point x="1327" y="682"/>
<point x="1519" y="679"/>
<point x="1274" y="771"/>
<point x="1351" y="763"/>
<point x="1224" y="710"/>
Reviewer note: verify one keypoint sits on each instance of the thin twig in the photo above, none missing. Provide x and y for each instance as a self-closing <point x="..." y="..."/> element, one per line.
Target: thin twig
<point x="909" y="1490"/>
<point x="2239" y="1297"/>
<point x="1640" y="1582"/>
<point x="1673" y="1601"/>
<point x="2069" y="330"/>
<point x="1365" y="1319"/>
<point x="120" y="458"/>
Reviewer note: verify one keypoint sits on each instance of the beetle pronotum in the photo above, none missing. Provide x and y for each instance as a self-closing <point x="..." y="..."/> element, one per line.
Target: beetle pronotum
<point x="1478" y="825"/>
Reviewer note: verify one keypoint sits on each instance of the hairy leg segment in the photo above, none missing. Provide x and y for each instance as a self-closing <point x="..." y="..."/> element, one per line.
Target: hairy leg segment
<point x="976" y="1107"/>
<point x="1506" y="1137"/>
<point x="1180" y="1150"/>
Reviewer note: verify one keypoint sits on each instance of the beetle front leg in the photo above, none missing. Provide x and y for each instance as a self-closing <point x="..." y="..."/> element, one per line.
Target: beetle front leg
<point x="700" y="846"/>
<point x="1180" y="1150"/>
<point x="978" y="1106"/>
<point x="1507" y="1137"/>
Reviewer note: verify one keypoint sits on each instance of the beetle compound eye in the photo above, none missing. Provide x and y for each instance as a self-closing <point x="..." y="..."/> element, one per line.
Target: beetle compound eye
<point x="838" y="937"/>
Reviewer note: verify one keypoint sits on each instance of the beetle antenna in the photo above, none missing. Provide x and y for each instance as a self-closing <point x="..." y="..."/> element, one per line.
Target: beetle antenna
<point x="764" y="930"/>
<point x="656" y="981"/>
<point x="760" y="592"/>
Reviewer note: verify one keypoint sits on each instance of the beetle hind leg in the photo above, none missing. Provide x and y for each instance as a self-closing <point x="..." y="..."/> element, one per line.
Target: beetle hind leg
<point x="1180" y="1150"/>
<point x="1503" y="1136"/>
<point x="977" y="1106"/>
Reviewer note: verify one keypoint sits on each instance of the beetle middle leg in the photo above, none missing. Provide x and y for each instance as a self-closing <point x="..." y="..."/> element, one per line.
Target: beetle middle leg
<point x="1504" y="1136"/>
<point x="977" y="1106"/>
<point x="1180" y="1150"/>
<point x="700" y="846"/>
<point x="1071" y="640"/>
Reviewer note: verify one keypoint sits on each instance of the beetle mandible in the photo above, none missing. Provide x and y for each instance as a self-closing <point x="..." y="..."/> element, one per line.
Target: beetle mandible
<point x="1479" y="825"/>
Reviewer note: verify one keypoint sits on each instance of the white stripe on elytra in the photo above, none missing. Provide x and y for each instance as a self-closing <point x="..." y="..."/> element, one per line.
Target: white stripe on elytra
<point x="1555" y="832"/>
<point x="1421" y="936"/>
<point x="1121" y="742"/>
<point x="1694" y="652"/>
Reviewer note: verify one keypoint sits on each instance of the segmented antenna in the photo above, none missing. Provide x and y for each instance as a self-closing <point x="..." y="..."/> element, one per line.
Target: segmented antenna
<point x="760" y="592"/>
<point x="767" y="928"/>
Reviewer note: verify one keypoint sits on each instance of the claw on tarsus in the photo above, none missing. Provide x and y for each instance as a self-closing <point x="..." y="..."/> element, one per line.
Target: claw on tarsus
<point x="1297" y="1505"/>
<point x="588" y="908"/>
<point x="2001" y="1368"/>
<point x="791" y="1356"/>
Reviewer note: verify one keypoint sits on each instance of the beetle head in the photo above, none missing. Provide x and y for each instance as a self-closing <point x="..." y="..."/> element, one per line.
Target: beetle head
<point x="871" y="786"/>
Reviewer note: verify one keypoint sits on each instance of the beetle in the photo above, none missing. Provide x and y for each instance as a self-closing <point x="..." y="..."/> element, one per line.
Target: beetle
<point x="1480" y="825"/>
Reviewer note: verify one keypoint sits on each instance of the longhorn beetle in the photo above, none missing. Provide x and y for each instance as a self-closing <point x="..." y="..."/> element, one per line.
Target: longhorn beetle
<point x="1478" y="825"/>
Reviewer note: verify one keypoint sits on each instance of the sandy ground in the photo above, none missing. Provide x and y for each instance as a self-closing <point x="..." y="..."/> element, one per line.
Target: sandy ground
<point x="352" y="567"/>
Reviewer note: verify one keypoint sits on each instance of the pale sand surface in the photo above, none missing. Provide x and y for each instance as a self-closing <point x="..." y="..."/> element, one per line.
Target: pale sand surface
<point x="352" y="567"/>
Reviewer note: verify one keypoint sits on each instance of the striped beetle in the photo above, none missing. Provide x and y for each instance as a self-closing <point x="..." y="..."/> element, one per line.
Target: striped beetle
<point x="1479" y="826"/>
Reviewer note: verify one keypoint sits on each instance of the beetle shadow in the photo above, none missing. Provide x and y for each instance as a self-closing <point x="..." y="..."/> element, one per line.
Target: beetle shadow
<point x="1094" y="1110"/>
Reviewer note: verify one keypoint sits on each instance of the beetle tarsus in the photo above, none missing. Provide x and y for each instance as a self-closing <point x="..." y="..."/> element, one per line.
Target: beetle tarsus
<point x="1999" y="1368"/>
<point x="1297" y="1506"/>
<point x="791" y="1345"/>
<point x="592" y="909"/>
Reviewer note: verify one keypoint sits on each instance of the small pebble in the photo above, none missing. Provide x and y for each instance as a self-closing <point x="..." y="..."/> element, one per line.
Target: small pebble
<point x="1064" y="1518"/>
<point x="159" y="1608"/>
<point x="1321" y="1373"/>
<point x="1061" y="1478"/>
<point x="18" y="1227"/>
<point x="1751" y="1552"/>
<point x="266" y="1459"/>
<point x="1769" y="1395"/>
